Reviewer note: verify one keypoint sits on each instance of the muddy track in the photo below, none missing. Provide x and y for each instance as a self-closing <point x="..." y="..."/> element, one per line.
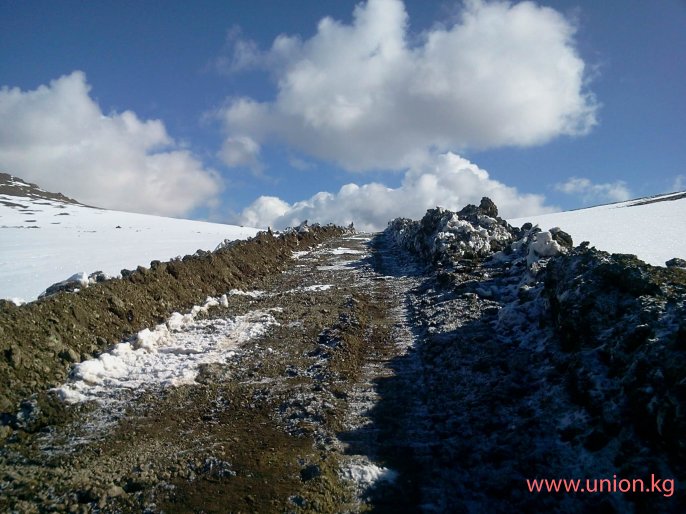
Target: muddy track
<point x="279" y="424"/>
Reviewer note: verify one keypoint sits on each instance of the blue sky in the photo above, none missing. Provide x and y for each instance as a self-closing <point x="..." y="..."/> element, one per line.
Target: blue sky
<point x="601" y="120"/>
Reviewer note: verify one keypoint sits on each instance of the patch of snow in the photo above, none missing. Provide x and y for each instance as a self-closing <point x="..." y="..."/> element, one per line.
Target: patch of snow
<point x="168" y="355"/>
<point x="253" y="294"/>
<point x="316" y="287"/>
<point x="299" y="255"/>
<point x="365" y="473"/>
<point x="335" y="267"/>
<point x="543" y="245"/>
<point x="345" y="251"/>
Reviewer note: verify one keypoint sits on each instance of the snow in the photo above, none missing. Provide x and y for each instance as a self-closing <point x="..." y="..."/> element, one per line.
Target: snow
<point x="252" y="294"/>
<point x="543" y="245"/>
<point x="365" y="473"/>
<point x="44" y="241"/>
<point x="169" y="355"/>
<point x="654" y="232"/>
<point x="345" y="251"/>
<point x="315" y="288"/>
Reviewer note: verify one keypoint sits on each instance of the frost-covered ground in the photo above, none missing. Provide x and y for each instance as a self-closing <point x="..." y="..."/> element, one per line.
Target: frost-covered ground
<point x="43" y="241"/>
<point x="652" y="231"/>
<point x="537" y="359"/>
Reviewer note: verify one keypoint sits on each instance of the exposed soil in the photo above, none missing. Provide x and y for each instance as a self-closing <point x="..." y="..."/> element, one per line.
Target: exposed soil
<point x="39" y="341"/>
<point x="267" y="431"/>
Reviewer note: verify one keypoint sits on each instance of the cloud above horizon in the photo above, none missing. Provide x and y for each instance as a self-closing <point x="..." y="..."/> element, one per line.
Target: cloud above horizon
<point x="589" y="192"/>
<point x="370" y="95"/>
<point x="448" y="181"/>
<point x="58" y="137"/>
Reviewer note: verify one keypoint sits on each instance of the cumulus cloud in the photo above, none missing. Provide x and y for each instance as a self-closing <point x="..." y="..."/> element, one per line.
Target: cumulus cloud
<point x="589" y="192"/>
<point x="241" y="151"/>
<point x="364" y="96"/>
<point x="447" y="180"/>
<point x="57" y="136"/>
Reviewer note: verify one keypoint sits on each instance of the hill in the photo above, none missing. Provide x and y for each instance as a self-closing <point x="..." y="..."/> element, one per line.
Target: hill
<point x="47" y="237"/>
<point x="650" y="228"/>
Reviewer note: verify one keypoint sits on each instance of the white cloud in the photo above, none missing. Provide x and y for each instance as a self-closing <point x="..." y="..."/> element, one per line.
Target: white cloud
<point x="364" y="97"/>
<point x="679" y="183"/>
<point x="241" y="151"/>
<point x="58" y="137"/>
<point x="446" y="180"/>
<point x="589" y="192"/>
<point x="263" y="211"/>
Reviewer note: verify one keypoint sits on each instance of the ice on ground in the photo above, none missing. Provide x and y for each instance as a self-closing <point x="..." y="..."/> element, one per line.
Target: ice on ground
<point x="168" y="355"/>
<point x="336" y="267"/>
<point x="299" y="255"/>
<point x="345" y="251"/>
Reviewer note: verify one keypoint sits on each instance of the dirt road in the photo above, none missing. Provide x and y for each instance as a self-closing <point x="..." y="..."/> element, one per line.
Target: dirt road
<point x="278" y="422"/>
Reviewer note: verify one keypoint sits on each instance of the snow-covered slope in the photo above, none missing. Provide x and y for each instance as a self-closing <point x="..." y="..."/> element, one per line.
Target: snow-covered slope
<point x="45" y="238"/>
<point x="654" y="229"/>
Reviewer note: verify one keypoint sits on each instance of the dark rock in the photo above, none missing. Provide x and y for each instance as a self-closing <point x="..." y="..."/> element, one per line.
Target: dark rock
<point x="69" y="285"/>
<point x="310" y="472"/>
<point x="562" y="238"/>
<point x="676" y="263"/>
<point x="69" y="355"/>
<point x="116" y="306"/>
<point x="488" y="208"/>
<point x="7" y="305"/>
<point x="97" y="276"/>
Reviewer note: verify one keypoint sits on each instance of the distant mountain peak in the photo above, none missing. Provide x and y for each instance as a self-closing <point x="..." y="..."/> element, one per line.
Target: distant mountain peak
<point x="11" y="185"/>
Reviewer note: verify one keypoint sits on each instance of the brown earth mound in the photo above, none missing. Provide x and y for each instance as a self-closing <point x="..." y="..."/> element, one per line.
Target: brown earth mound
<point x="40" y="340"/>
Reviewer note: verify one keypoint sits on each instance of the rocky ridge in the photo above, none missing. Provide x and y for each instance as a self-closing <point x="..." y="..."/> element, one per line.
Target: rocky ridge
<point x="543" y="360"/>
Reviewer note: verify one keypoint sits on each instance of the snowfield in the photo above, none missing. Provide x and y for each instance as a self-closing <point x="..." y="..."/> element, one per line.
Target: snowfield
<point x="654" y="231"/>
<point x="45" y="241"/>
<point x="46" y="238"/>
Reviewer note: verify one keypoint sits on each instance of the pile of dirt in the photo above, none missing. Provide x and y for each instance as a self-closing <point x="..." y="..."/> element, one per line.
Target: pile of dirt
<point x="40" y="340"/>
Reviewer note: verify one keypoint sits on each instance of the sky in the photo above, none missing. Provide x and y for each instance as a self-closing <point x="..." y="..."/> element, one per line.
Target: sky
<point x="266" y="113"/>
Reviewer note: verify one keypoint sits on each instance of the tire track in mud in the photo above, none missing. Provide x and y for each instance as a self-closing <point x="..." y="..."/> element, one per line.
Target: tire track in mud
<point x="284" y="422"/>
